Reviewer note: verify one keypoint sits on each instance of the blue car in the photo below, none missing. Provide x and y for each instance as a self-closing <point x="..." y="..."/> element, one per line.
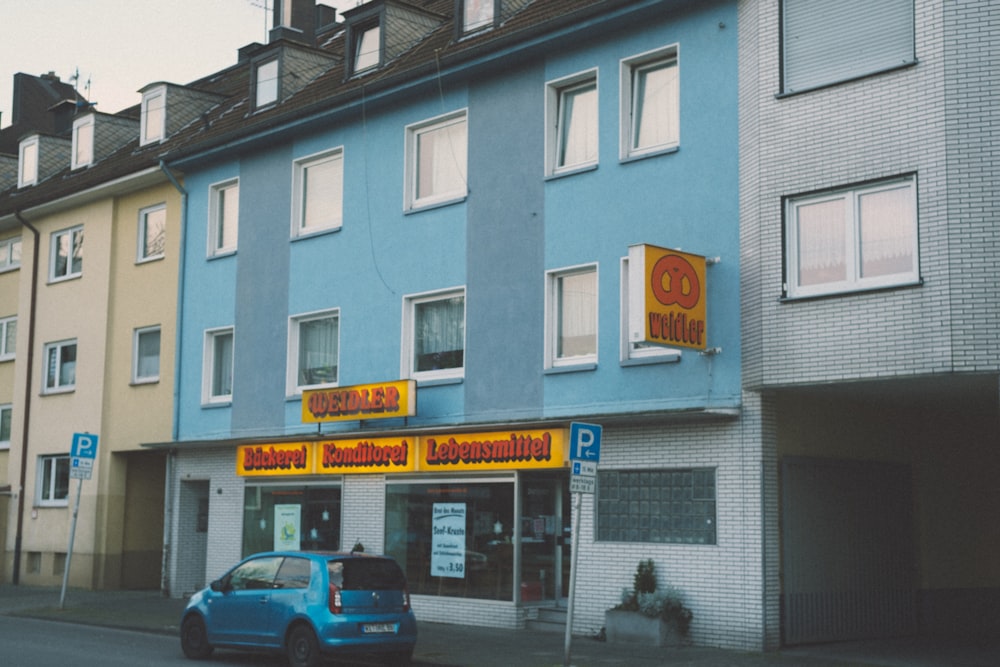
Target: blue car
<point x="309" y="605"/>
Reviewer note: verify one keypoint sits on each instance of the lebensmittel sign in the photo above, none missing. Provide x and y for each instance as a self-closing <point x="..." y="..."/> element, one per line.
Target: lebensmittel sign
<point x="667" y="297"/>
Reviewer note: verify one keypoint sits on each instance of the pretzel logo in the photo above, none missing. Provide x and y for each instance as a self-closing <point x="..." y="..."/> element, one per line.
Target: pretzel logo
<point x="675" y="281"/>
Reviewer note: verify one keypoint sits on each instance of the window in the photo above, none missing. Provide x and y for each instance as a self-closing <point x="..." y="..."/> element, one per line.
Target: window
<point x="650" y="101"/>
<point x="477" y="14"/>
<point x="146" y="355"/>
<point x="571" y="304"/>
<point x="318" y="184"/>
<point x="571" y="108"/>
<point x="152" y="233"/>
<point x="153" y="116"/>
<point x="28" y="162"/>
<point x="6" y="412"/>
<point x="266" y="83"/>
<point x="434" y="336"/>
<point x="857" y="238"/>
<point x="223" y="217"/>
<point x="319" y="516"/>
<point x="217" y="381"/>
<point x="8" y="338"/>
<point x="829" y="42"/>
<point x="66" y="255"/>
<point x="634" y="353"/>
<point x="436" y="161"/>
<point x="313" y="350"/>
<point x="83" y="142"/>
<point x="52" y="485"/>
<point x="367" y="47"/>
<point x="10" y="253"/>
<point x="60" y="367"/>
<point x="657" y="506"/>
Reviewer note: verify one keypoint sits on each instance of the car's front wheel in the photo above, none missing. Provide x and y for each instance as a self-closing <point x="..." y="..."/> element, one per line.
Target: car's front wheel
<point x="194" y="638"/>
<point x="303" y="647"/>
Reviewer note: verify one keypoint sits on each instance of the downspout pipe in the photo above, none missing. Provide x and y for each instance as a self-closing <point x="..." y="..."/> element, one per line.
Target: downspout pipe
<point x="28" y="374"/>
<point x="165" y="579"/>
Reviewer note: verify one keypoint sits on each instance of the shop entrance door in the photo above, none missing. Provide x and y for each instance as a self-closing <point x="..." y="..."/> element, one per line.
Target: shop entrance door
<point x="545" y="538"/>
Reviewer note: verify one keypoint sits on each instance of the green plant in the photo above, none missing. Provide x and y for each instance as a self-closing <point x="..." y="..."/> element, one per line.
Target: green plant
<point x="649" y="600"/>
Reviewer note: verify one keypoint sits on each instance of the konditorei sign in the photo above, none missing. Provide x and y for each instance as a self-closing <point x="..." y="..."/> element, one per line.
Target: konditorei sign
<point x="667" y="297"/>
<point x="381" y="400"/>
<point x="506" y="450"/>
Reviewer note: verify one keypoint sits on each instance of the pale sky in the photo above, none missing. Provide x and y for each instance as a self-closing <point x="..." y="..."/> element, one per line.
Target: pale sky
<point x="122" y="45"/>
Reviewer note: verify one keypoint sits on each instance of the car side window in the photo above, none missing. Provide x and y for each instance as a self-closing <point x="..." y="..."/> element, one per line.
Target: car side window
<point x="255" y="574"/>
<point x="293" y="573"/>
<point x="336" y="570"/>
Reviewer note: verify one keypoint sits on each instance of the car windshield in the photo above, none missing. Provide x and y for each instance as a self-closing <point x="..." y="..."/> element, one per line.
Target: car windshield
<point x="366" y="574"/>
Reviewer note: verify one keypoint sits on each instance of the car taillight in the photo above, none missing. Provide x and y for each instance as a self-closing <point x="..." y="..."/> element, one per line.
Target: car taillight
<point x="336" y="603"/>
<point x="406" y="600"/>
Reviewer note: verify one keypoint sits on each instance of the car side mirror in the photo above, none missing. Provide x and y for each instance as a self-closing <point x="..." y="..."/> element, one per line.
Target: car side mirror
<point x="218" y="586"/>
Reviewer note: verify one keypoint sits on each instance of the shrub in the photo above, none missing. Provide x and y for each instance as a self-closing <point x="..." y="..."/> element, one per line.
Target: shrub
<point x="650" y="600"/>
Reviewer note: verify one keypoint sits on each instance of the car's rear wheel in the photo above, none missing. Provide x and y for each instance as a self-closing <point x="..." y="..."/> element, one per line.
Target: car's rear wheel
<point x="303" y="647"/>
<point x="194" y="638"/>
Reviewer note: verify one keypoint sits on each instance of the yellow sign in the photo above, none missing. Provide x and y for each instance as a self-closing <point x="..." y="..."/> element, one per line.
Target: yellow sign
<point x="286" y="458"/>
<point x="493" y="451"/>
<point x="667" y="297"/>
<point x="381" y="400"/>
<point x="384" y="455"/>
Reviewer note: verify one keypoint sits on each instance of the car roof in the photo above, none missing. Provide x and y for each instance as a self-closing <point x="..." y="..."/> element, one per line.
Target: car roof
<point x="318" y="555"/>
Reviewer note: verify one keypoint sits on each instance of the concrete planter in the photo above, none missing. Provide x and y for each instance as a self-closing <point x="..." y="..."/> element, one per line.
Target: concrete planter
<point x="635" y="627"/>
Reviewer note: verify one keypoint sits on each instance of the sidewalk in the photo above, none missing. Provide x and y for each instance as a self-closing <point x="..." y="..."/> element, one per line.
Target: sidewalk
<point x="454" y="645"/>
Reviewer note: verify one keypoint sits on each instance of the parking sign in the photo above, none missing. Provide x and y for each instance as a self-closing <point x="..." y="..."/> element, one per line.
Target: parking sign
<point x="585" y="442"/>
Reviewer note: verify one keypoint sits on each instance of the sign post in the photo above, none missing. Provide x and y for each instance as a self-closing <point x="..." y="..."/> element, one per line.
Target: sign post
<point x="585" y="453"/>
<point x="82" y="456"/>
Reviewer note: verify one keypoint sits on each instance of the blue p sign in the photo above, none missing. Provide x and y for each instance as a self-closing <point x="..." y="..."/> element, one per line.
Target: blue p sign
<point x="84" y="446"/>
<point x="585" y="441"/>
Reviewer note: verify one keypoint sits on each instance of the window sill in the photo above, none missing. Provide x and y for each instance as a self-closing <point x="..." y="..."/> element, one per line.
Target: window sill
<point x="222" y="253"/>
<point x="144" y="381"/>
<point x="63" y="279"/>
<point x="316" y="232"/>
<point x="652" y="152"/>
<point x="572" y="368"/>
<point x="147" y="260"/>
<point x="217" y="404"/>
<point x="417" y="207"/>
<point x="57" y="391"/>
<point x="665" y="358"/>
<point x="570" y="171"/>
<point x="833" y="294"/>
<point x="439" y="382"/>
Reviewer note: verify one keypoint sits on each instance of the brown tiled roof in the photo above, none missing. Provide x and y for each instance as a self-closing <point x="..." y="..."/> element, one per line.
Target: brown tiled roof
<point x="233" y="119"/>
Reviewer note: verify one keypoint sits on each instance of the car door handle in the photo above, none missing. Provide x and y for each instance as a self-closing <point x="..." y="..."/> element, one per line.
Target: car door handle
<point x="263" y="599"/>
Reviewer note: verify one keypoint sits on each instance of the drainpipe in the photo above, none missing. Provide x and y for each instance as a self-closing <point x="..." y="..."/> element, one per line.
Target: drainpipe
<point x="28" y="374"/>
<point x="165" y="581"/>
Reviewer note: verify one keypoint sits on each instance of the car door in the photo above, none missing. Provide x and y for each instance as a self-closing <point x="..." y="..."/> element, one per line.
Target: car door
<point x="239" y="610"/>
<point x="290" y="595"/>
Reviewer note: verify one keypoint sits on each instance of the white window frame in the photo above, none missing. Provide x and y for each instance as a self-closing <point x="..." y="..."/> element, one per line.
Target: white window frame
<point x="407" y="363"/>
<point x="73" y="233"/>
<point x="668" y="56"/>
<point x="208" y="395"/>
<point x="631" y="353"/>
<point x="137" y="336"/>
<point x="153" y="115"/>
<point x="27" y="161"/>
<point x="555" y="106"/>
<point x="83" y="142"/>
<point x="218" y="193"/>
<point x="473" y="21"/>
<point x="6" y="416"/>
<point x="854" y="281"/>
<point x="300" y="168"/>
<point x="58" y="387"/>
<point x="143" y="232"/>
<point x="44" y="494"/>
<point x="293" y="386"/>
<point x="270" y="87"/>
<point x="6" y="351"/>
<point x="460" y="155"/>
<point x="553" y="360"/>
<point x="364" y="61"/>
<point x="8" y="249"/>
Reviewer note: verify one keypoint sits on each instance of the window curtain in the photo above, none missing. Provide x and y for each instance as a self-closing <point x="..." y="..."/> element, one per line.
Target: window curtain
<point x="439" y="334"/>
<point x="10" y="337"/>
<point x="577" y="335"/>
<point x="148" y="353"/>
<point x="478" y="13"/>
<point x="228" y="213"/>
<point x="822" y="243"/>
<point x="578" y="136"/>
<point x="322" y="185"/>
<point x="887" y="232"/>
<point x="318" y="351"/>
<point x="222" y="378"/>
<point x="441" y="157"/>
<point x="654" y="105"/>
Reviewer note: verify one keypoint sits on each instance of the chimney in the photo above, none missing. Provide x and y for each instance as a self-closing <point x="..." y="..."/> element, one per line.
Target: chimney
<point x="294" y="20"/>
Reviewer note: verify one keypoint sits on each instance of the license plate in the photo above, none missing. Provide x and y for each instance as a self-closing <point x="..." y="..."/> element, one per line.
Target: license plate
<point x="378" y="628"/>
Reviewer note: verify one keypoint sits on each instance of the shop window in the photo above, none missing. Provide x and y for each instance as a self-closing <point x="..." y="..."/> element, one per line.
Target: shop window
<point x="291" y="517"/>
<point x="656" y="506"/>
<point x="318" y="187"/>
<point x="152" y="233"/>
<point x="223" y="217"/>
<point x="434" y="336"/>
<point x="52" y="485"/>
<point x="436" y="161"/>
<point x="453" y="539"/>
<point x="571" y="308"/>
<point x="650" y="99"/>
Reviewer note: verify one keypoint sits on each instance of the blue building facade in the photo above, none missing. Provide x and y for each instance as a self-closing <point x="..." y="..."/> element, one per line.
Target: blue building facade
<point x="453" y="221"/>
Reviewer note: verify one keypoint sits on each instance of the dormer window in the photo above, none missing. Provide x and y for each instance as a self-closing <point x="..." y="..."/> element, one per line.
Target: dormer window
<point x="477" y="14"/>
<point x="27" y="173"/>
<point x="83" y="142"/>
<point x="154" y="116"/>
<point x="367" y="47"/>
<point x="266" y="83"/>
